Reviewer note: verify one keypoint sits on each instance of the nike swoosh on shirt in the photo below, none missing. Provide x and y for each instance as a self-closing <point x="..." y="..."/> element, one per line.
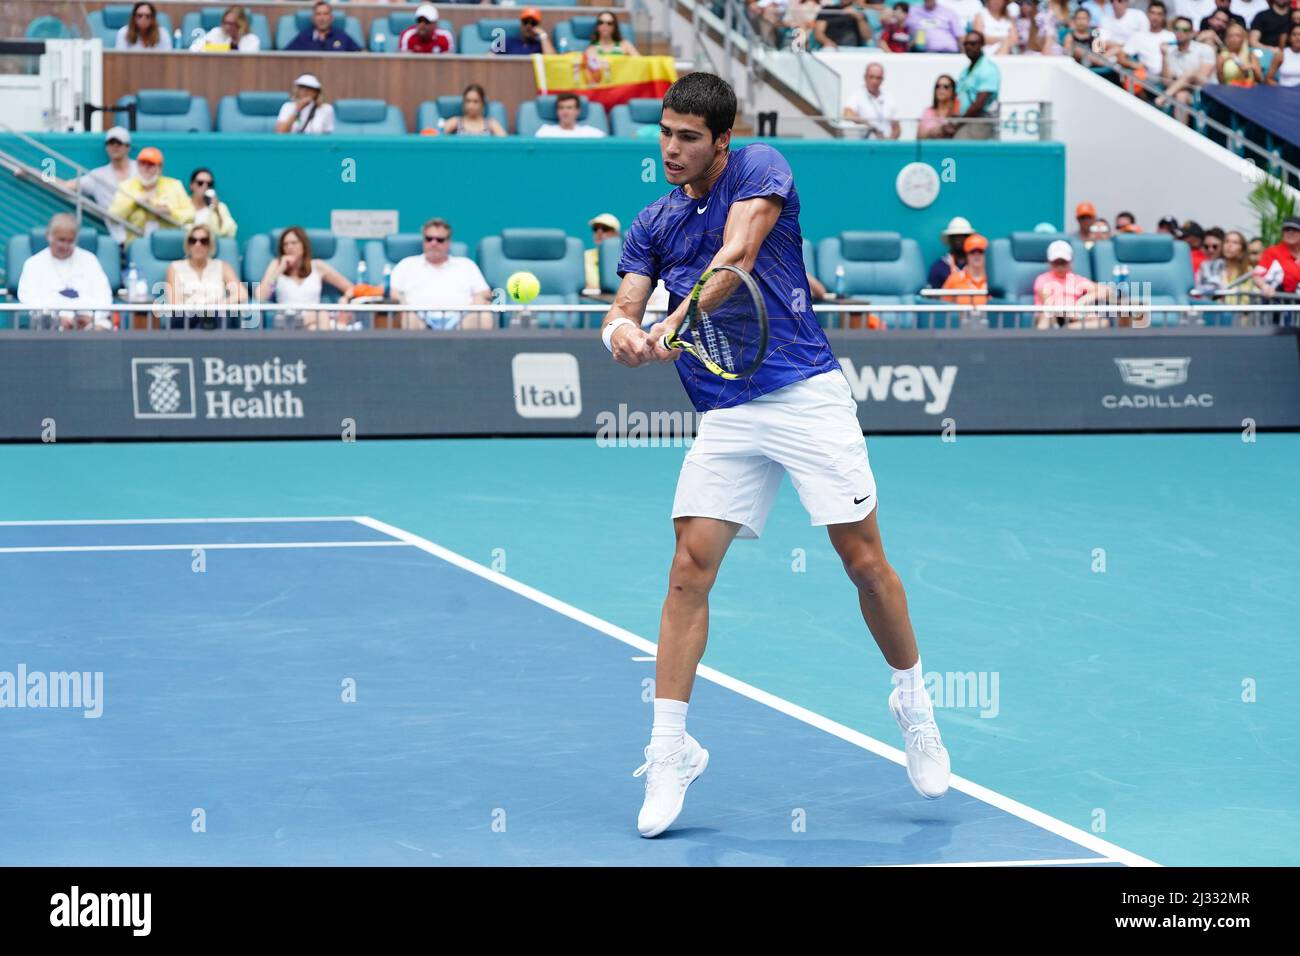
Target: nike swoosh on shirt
<point x="700" y="209"/>
<point x="858" y="501"/>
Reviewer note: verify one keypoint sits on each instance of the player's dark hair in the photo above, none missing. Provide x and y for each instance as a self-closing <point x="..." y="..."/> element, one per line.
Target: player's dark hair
<point x="704" y="95"/>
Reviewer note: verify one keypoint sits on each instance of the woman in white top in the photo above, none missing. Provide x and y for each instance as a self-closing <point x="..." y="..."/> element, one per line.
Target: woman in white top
<point x="231" y="34"/>
<point x="142" y="32"/>
<point x="199" y="282"/>
<point x="999" y="30"/>
<point x="295" y="280"/>
<point x="1285" y="68"/>
<point x="305" y="113"/>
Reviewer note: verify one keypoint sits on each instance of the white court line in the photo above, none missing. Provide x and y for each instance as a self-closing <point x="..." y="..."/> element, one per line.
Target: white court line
<point x="95" y="521"/>
<point x="221" y="546"/>
<point x="1091" y="860"/>
<point x="1058" y="827"/>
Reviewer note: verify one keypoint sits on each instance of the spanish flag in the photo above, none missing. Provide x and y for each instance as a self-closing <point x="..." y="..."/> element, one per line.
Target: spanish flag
<point x="607" y="80"/>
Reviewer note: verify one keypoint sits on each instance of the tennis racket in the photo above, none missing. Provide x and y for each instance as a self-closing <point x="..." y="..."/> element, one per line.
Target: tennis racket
<point x="725" y="326"/>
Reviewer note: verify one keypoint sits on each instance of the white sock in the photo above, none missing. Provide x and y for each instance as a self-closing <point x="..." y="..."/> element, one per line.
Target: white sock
<point x="911" y="687"/>
<point x="670" y="721"/>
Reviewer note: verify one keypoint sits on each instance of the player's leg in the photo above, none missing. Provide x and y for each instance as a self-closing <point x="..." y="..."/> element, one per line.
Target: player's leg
<point x="880" y="592"/>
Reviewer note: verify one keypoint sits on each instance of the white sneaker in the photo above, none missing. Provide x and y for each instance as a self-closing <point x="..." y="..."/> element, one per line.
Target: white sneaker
<point x="668" y="772"/>
<point x="927" y="760"/>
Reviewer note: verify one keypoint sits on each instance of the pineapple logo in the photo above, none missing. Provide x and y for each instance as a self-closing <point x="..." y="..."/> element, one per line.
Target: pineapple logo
<point x="165" y="389"/>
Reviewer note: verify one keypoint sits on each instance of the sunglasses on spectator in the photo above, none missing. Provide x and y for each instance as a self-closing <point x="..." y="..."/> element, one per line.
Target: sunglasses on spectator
<point x="199" y="240"/>
<point x="438" y="239"/>
<point x="530" y="22"/>
<point x="230" y="23"/>
<point x="115" y="142"/>
<point x="144" y="15"/>
<point x="203" y="182"/>
<point x="943" y="86"/>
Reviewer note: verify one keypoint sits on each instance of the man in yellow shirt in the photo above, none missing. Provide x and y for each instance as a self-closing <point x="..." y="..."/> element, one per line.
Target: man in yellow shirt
<point x="149" y="199"/>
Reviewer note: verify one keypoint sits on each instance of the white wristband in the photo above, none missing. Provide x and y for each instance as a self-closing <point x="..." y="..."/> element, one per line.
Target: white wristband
<point x="607" y="334"/>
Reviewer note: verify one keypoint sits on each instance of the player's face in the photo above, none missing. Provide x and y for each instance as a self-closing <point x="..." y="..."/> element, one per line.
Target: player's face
<point x="687" y="147"/>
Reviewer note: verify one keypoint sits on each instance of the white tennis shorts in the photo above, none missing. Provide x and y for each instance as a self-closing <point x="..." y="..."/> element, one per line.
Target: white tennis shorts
<point x="809" y="429"/>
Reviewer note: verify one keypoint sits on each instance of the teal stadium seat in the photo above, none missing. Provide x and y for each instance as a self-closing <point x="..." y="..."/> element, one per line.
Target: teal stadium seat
<point x="250" y="111"/>
<point x="152" y="254"/>
<point x="367" y="118"/>
<point x="637" y="118"/>
<point x="533" y="113"/>
<point x="291" y="24"/>
<point x="809" y="257"/>
<point x="445" y="107"/>
<point x="476" y="38"/>
<point x="882" y="267"/>
<point x="171" y="111"/>
<point x="386" y="30"/>
<point x="611" y="250"/>
<point x="1016" y="261"/>
<point x="391" y="250"/>
<point x="556" y="260"/>
<point x="576" y="33"/>
<point x="25" y="245"/>
<point x="201" y="21"/>
<point x="1149" y="257"/>
<point x="50" y="28"/>
<point x="106" y="22"/>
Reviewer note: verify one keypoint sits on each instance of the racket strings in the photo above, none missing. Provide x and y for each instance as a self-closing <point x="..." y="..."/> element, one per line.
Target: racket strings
<point x="727" y="328"/>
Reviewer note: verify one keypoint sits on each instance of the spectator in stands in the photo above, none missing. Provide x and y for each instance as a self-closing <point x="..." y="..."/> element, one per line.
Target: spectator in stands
<point x="1063" y="288"/>
<point x="532" y="38"/>
<point x="295" y="280"/>
<point x="1191" y="233"/>
<point x="1255" y="251"/>
<point x="323" y="36"/>
<point x="605" y="226"/>
<point x="1053" y="22"/>
<point x="473" y="119"/>
<point x="149" y="199"/>
<point x="142" y="32"/>
<point x="977" y="92"/>
<point x="66" y="279"/>
<point x="1228" y="271"/>
<point x="209" y="210"/>
<point x="934" y="28"/>
<point x="937" y="118"/>
<point x="966" y="10"/>
<point x="100" y="184"/>
<point x="437" y="278"/>
<point x="1032" y="35"/>
<point x="1285" y="68"/>
<point x="1118" y="25"/>
<point x="895" y="34"/>
<point x="1126" y="222"/>
<point x="1099" y="231"/>
<point x="1215" y="31"/>
<point x="1193" y="10"/>
<point x="1281" y="263"/>
<point x="201" y="281"/>
<point x="1237" y="63"/>
<point x="1187" y="66"/>
<point x="872" y="107"/>
<point x="954" y="237"/>
<point x="1084" y="214"/>
<point x="232" y="33"/>
<point x="1248" y="10"/>
<point x="426" y="36"/>
<point x="1144" y="51"/>
<point x="999" y="30"/>
<point x="567" y="108"/>
<point x="305" y="113"/>
<point x="1226" y="6"/>
<point x="1079" y="41"/>
<point x="840" y="23"/>
<point x="972" y="275"/>
<point x="607" y="38"/>
<point x="1212" y="243"/>
<point x="1097" y="8"/>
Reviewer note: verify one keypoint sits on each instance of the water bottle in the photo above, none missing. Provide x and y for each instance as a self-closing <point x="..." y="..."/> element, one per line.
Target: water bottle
<point x="563" y="45"/>
<point x="176" y="39"/>
<point x="839" y="280"/>
<point x="361" y="272"/>
<point x="379" y="42"/>
<point x="388" y="280"/>
<point x="140" y="288"/>
<point x="128" y="283"/>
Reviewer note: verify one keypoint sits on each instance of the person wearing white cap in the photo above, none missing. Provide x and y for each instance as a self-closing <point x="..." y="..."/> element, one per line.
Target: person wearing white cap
<point x="99" y="185"/>
<point x="954" y="237"/>
<point x="426" y="36"/>
<point x="1061" y="286"/>
<point x="305" y="113"/>
<point x="605" y="226"/>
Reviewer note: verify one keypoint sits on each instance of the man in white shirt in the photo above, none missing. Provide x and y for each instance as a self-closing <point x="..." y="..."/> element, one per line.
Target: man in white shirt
<point x="567" y="107"/>
<point x="438" y="278"/>
<point x="1145" y="49"/>
<point x="873" y="107"/>
<point x="1188" y="65"/>
<point x="65" y="279"/>
<point x="1118" y="24"/>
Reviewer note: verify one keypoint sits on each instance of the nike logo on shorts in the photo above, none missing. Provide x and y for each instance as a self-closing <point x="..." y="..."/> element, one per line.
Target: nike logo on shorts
<point x="858" y="501"/>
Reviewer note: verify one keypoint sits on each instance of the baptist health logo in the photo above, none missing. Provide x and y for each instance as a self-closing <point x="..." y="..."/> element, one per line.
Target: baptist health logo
<point x="165" y="388"/>
<point x="1156" y="373"/>
<point x="546" y="385"/>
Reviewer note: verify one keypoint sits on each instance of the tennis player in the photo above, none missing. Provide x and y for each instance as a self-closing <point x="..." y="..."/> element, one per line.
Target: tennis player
<point x="795" y="415"/>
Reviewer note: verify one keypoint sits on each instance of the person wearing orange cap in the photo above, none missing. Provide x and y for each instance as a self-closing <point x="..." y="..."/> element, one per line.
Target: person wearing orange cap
<point x="149" y="199"/>
<point x="1084" y="214"/>
<point x="531" y="39"/>
<point x="973" y="275"/>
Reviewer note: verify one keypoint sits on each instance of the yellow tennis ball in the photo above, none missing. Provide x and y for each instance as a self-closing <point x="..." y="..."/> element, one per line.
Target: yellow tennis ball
<point x="523" y="286"/>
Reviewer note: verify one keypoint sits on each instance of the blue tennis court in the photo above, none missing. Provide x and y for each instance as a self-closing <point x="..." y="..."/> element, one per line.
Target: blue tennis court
<point x="461" y="678"/>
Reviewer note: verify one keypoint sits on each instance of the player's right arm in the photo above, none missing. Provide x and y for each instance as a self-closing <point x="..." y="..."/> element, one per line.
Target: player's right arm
<point x="629" y="344"/>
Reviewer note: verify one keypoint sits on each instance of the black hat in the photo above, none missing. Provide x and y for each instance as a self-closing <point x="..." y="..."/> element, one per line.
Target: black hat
<point x="1291" y="222"/>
